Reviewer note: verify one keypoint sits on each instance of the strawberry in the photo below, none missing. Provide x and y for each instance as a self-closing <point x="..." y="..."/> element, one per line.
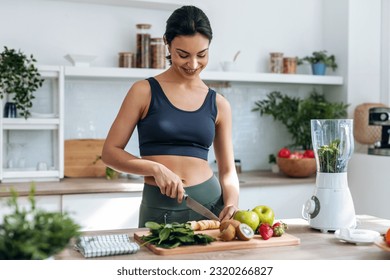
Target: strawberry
<point x="279" y="229"/>
<point x="284" y="153"/>
<point x="266" y="231"/>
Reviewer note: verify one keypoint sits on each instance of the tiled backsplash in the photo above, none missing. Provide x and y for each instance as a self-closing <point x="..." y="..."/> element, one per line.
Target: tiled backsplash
<point x="91" y="106"/>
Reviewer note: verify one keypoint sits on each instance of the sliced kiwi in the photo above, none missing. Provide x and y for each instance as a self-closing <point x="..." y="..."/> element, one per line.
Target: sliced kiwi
<point x="229" y="233"/>
<point x="244" y="232"/>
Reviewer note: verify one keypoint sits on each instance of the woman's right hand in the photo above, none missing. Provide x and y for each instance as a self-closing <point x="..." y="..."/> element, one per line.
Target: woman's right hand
<point x="169" y="183"/>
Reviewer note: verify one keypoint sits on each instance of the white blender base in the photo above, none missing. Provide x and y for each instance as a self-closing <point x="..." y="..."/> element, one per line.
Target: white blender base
<point x="331" y="207"/>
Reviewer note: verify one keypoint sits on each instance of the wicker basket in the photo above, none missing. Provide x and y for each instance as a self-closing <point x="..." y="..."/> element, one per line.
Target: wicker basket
<point x="363" y="132"/>
<point x="297" y="167"/>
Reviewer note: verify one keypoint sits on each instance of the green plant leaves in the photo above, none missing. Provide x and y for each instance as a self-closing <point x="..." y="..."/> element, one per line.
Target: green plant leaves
<point x="328" y="156"/>
<point x="28" y="234"/>
<point x="295" y="113"/>
<point x="321" y="57"/>
<point x="174" y="235"/>
<point x="19" y="77"/>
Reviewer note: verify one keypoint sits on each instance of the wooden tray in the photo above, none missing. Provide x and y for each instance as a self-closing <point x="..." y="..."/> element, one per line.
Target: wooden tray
<point x="257" y="242"/>
<point x="382" y="244"/>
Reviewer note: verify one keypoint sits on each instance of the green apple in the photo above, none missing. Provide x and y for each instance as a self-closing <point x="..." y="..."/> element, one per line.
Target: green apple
<point x="265" y="213"/>
<point x="247" y="217"/>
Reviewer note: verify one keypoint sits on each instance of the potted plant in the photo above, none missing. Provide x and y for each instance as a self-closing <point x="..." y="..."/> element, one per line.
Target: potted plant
<point x="273" y="163"/>
<point x="319" y="61"/>
<point x="19" y="78"/>
<point x="32" y="234"/>
<point x="295" y="113"/>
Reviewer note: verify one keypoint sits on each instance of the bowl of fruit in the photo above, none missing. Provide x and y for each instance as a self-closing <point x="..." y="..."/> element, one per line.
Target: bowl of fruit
<point x="297" y="164"/>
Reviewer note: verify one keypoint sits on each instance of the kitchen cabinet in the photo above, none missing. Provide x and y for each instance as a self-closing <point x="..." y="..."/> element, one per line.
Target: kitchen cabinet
<point x="26" y="154"/>
<point x="50" y="203"/>
<point x="286" y="200"/>
<point x="103" y="211"/>
<point x="368" y="180"/>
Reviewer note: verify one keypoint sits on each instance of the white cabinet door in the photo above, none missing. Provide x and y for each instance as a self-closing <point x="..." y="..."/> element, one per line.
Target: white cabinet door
<point x="369" y="182"/>
<point x="286" y="201"/>
<point x="103" y="211"/>
<point x="50" y="203"/>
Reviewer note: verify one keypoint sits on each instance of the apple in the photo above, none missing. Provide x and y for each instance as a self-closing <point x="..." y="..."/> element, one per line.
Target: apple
<point x="265" y="213"/>
<point x="247" y="217"/>
<point x="296" y="155"/>
<point x="284" y="153"/>
<point x="308" y="154"/>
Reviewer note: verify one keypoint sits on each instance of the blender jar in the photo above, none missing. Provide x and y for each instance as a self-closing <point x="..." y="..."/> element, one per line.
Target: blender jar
<point x="332" y="143"/>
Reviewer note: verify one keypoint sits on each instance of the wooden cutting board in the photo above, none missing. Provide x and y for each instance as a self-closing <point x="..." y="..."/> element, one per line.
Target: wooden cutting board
<point x="79" y="158"/>
<point x="257" y="242"/>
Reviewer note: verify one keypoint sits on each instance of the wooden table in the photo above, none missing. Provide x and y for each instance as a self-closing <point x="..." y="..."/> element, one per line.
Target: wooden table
<point x="314" y="245"/>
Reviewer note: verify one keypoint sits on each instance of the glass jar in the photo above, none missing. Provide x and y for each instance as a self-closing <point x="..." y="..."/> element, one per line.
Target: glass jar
<point x="157" y="48"/>
<point x="143" y="45"/>
<point x="276" y="62"/>
<point x="126" y="59"/>
<point x="289" y="65"/>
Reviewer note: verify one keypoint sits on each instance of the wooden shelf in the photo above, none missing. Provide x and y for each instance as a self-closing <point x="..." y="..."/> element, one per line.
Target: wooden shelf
<point x="137" y="73"/>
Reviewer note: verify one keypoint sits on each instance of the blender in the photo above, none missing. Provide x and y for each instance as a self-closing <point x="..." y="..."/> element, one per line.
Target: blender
<point x="331" y="206"/>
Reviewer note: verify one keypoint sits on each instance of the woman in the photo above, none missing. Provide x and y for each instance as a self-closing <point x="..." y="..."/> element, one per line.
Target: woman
<point x="178" y="118"/>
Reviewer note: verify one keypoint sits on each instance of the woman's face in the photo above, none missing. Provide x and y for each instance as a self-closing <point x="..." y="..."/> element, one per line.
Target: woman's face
<point x="189" y="54"/>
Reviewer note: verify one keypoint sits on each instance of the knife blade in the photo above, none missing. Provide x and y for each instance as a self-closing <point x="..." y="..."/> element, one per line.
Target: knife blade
<point x="199" y="208"/>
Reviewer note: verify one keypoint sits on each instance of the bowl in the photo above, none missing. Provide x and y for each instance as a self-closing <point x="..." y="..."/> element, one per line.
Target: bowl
<point x="228" y="66"/>
<point x="297" y="167"/>
<point x="80" y="60"/>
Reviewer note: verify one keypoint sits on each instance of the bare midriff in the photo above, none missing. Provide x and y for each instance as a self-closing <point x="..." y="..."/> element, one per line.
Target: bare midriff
<point x="191" y="170"/>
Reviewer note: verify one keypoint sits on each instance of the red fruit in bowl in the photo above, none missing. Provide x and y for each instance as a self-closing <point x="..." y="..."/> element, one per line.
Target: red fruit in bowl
<point x="296" y="155"/>
<point x="308" y="154"/>
<point x="284" y="153"/>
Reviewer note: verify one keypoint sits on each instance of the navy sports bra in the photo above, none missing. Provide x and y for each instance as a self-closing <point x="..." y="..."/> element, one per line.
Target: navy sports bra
<point x="167" y="130"/>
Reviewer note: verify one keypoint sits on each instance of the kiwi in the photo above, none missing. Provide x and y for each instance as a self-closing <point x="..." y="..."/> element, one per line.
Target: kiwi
<point x="224" y="224"/>
<point x="244" y="232"/>
<point x="228" y="234"/>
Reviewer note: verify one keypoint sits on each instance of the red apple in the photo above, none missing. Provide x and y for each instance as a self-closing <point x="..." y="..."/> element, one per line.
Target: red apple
<point x="284" y="153"/>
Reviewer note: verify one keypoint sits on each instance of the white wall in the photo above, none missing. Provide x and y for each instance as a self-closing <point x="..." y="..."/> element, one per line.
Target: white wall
<point x="349" y="29"/>
<point x="52" y="29"/>
<point x="256" y="28"/>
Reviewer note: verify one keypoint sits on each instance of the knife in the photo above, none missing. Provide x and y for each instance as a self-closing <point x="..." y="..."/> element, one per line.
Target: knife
<point x="199" y="208"/>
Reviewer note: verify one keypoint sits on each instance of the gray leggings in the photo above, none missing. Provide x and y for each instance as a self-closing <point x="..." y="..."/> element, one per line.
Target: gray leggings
<point x="160" y="208"/>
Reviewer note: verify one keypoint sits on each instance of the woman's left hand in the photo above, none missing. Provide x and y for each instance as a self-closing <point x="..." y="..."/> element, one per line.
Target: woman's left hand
<point x="227" y="213"/>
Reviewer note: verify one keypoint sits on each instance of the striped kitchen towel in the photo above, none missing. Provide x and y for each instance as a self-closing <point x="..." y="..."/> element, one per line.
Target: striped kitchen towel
<point x="106" y="245"/>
